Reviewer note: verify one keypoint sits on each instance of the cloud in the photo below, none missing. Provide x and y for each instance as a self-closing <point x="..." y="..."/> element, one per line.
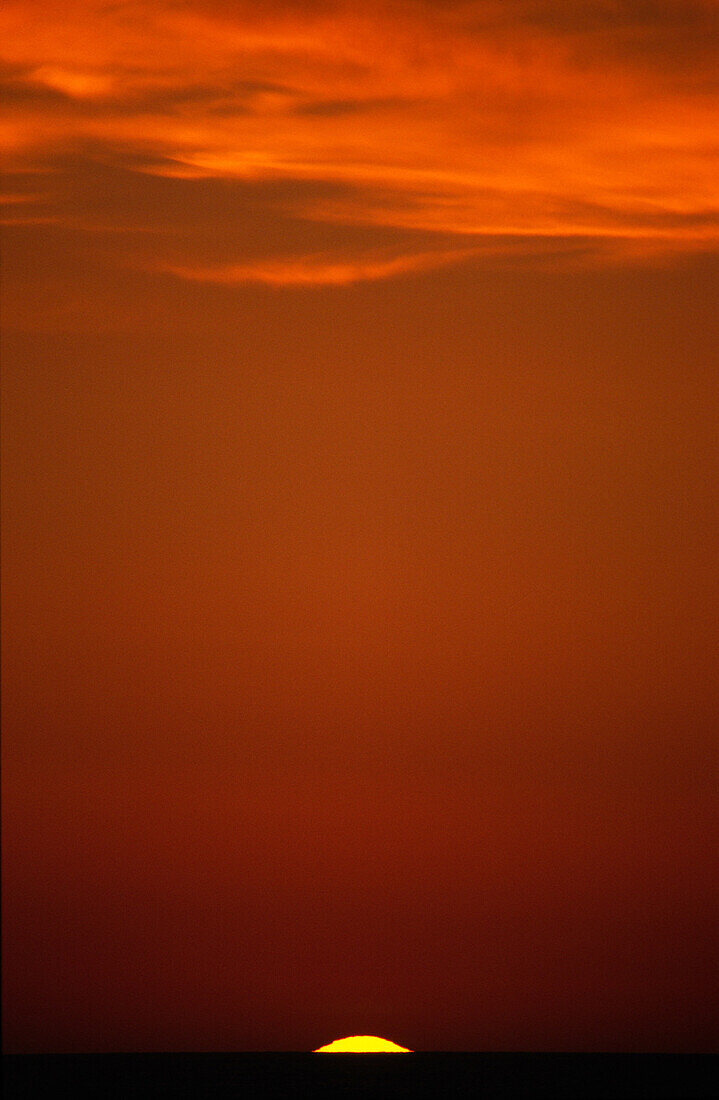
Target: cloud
<point x="320" y="270"/>
<point x="480" y="118"/>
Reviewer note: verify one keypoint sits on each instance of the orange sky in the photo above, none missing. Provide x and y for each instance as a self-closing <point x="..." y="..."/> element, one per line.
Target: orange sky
<point x="359" y="534"/>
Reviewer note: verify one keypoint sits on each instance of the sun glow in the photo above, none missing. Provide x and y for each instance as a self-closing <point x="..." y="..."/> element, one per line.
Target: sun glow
<point x="362" y="1044"/>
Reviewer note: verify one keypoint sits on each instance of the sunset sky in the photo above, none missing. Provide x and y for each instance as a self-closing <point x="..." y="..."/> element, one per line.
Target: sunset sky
<point x="360" y="524"/>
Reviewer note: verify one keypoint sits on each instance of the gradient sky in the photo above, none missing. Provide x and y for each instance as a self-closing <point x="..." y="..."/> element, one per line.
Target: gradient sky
<point x="360" y="524"/>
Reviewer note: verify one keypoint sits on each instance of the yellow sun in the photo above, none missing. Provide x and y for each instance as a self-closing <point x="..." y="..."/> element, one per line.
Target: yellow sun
<point x="362" y="1044"/>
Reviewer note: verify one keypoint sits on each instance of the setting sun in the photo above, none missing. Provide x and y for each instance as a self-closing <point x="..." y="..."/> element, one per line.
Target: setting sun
<point x="362" y="1044"/>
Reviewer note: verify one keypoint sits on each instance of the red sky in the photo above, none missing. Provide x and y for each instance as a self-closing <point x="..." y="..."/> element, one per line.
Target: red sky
<point x="360" y="524"/>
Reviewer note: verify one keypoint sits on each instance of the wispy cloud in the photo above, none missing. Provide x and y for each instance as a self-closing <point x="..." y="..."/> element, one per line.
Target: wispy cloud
<point x="320" y="270"/>
<point x="475" y="118"/>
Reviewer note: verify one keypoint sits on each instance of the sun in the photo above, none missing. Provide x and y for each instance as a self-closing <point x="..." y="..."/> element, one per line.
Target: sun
<point x="362" y="1044"/>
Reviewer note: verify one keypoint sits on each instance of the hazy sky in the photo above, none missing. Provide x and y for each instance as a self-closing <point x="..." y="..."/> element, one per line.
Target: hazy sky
<point x="360" y="524"/>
